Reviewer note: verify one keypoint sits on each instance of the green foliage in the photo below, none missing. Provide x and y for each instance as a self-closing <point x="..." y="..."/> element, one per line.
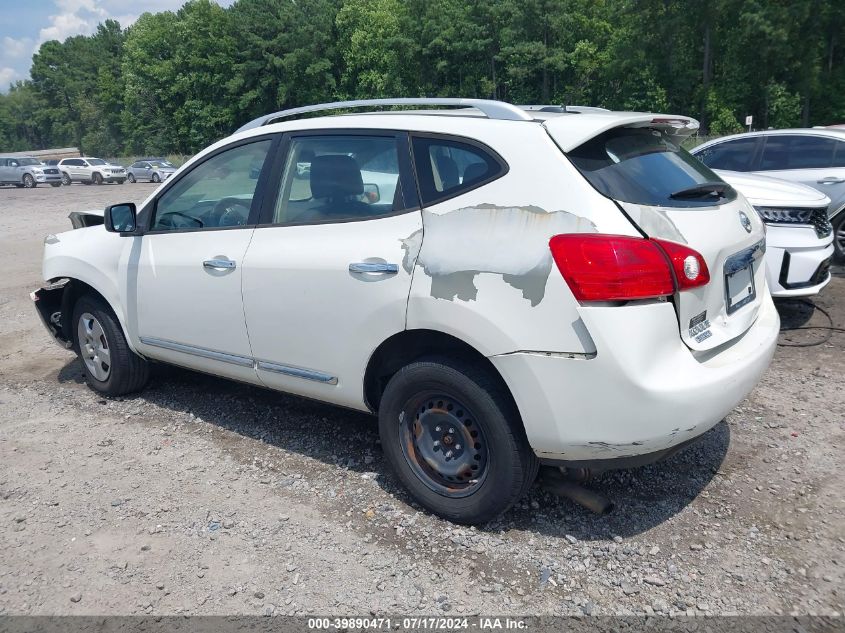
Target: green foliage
<point x="175" y="81"/>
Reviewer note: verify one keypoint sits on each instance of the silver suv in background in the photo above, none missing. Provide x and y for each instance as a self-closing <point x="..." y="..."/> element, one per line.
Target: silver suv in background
<point x="814" y="157"/>
<point x="90" y="171"/>
<point x="23" y="171"/>
<point x="151" y="170"/>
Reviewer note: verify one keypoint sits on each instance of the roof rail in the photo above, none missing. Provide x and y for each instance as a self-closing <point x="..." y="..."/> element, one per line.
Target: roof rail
<point x="561" y="108"/>
<point x="492" y="109"/>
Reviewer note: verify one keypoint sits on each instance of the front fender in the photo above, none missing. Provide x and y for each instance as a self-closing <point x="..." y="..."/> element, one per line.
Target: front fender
<point x="91" y="256"/>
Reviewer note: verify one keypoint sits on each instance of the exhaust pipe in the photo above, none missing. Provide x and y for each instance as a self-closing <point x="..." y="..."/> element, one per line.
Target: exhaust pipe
<point x="555" y="482"/>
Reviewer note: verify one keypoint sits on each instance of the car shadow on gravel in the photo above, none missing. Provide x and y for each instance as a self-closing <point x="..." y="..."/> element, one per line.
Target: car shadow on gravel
<point x="348" y="440"/>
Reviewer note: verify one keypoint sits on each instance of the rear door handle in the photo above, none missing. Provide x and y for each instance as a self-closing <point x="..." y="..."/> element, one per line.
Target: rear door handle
<point x="218" y="263"/>
<point x="373" y="267"/>
<point x="831" y="180"/>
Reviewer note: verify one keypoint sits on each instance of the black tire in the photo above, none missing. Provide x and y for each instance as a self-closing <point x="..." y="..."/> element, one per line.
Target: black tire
<point x="55" y="184"/>
<point x="121" y="181"/>
<point x="131" y="178"/>
<point x="96" y="178"/>
<point x="29" y="181"/>
<point x="839" y="236"/>
<point x="127" y="372"/>
<point x="66" y="180"/>
<point x="156" y="178"/>
<point x="508" y="465"/>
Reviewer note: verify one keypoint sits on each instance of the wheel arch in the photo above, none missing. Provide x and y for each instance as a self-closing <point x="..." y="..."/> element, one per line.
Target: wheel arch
<point x="70" y="294"/>
<point x="406" y="346"/>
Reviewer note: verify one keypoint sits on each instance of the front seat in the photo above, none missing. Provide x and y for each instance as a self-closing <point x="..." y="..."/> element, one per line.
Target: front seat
<point x="336" y="184"/>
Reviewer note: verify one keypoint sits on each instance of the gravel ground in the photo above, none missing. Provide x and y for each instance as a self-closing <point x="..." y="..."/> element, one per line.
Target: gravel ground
<point x="203" y="496"/>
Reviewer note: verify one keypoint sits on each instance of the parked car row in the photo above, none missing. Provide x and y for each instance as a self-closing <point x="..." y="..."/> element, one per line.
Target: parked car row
<point x="23" y="171"/>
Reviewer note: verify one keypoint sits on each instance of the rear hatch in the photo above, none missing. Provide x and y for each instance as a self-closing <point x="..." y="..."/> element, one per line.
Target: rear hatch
<point x="636" y="160"/>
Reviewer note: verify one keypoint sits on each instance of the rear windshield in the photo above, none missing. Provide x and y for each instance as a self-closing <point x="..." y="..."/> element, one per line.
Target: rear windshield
<point x="644" y="166"/>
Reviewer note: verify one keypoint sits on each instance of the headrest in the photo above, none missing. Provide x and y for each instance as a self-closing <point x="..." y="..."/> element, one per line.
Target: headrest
<point x="475" y="171"/>
<point x="335" y="176"/>
<point x="448" y="170"/>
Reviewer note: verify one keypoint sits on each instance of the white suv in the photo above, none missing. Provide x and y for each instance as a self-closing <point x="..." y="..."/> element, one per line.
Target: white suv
<point x="503" y="288"/>
<point x="799" y="237"/>
<point x="90" y="171"/>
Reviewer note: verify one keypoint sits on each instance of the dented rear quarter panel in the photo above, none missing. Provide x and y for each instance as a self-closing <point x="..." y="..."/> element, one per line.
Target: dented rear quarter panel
<point x="483" y="271"/>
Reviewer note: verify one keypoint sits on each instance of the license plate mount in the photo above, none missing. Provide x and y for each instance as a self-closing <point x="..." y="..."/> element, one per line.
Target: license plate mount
<point x="739" y="288"/>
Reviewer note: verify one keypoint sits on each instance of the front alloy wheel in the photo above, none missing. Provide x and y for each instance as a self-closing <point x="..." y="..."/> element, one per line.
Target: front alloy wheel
<point x="110" y="365"/>
<point x="28" y="181"/>
<point x="66" y="180"/>
<point x="94" y="347"/>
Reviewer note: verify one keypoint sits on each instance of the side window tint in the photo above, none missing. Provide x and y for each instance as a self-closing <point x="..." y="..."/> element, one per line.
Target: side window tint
<point x="731" y="155"/>
<point x="839" y="154"/>
<point x="447" y="168"/>
<point x="797" y="152"/>
<point x="339" y="178"/>
<point x="216" y="193"/>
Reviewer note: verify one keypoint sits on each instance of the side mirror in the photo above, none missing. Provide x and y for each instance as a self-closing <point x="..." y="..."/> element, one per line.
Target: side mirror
<point x="121" y="218"/>
<point x="371" y="193"/>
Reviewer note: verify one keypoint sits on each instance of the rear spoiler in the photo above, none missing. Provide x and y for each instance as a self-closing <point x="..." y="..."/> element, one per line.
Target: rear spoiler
<point x="570" y="133"/>
<point x="81" y="219"/>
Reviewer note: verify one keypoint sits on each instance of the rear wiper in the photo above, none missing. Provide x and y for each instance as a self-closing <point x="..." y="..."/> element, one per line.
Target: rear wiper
<point x="715" y="189"/>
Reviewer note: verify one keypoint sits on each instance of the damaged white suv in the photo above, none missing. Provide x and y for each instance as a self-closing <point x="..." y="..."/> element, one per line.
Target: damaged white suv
<point x="503" y="286"/>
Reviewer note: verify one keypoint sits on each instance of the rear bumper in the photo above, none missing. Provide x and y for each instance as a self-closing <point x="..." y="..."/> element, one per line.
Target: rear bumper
<point x="797" y="261"/>
<point x="643" y="394"/>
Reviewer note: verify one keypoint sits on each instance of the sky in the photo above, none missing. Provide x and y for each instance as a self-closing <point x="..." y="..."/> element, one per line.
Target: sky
<point x="26" y="24"/>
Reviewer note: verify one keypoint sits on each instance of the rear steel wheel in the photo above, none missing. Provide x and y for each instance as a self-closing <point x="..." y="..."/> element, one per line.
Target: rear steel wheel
<point x="443" y="444"/>
<point x="454" y="438"/>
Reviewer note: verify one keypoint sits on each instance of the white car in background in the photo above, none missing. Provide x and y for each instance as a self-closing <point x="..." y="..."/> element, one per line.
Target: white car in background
<point x="810" y="156"/>
<point x="90" y="171"/>
<point x="799" y="236"/>
<point x="515" y="287"/>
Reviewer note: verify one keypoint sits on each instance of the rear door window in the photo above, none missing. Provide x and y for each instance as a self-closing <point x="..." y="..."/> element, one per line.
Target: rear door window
<point x="797" y="152"/>
<point x="735" y="155"/>
<point x="645" y="166"/>
<point x="450" y="167"/>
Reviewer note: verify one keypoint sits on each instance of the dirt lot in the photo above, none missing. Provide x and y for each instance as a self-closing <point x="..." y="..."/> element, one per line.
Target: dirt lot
<point x="204" y="496"/>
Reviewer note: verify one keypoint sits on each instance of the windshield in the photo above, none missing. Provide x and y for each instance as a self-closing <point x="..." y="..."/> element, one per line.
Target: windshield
<point x="159" y="163"/>
<point x="96" y="161"/>
<point x="28" y="161"/>
<point x="644" y="166"/>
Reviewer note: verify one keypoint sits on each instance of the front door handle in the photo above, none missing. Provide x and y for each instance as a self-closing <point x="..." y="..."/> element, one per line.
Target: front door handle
<point x="830" y="180"/>
<point x="218" y="263"/>
<point x="374" y="267"/>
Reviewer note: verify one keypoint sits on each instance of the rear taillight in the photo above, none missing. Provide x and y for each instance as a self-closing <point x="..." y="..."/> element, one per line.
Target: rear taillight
<point x="620" y="268"/>
<point x="688" y="265"/>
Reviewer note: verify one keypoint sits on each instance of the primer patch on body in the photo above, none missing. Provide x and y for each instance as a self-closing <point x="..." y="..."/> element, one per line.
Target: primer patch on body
<point x="654" y="222"/>
<point x="509" y="241"/>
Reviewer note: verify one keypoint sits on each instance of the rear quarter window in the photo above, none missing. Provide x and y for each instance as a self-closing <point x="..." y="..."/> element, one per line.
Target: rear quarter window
<point x="449" y="167"/>
<point x="644" y="166"/>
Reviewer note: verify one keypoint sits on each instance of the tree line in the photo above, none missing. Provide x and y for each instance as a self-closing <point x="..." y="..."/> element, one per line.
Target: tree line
<point x="173" y="82"/>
